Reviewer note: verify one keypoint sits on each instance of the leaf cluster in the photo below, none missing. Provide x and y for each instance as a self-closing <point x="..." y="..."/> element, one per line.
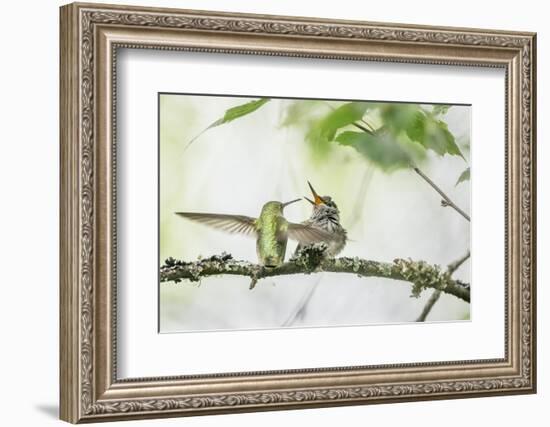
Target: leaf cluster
<point x="391" y="136"/>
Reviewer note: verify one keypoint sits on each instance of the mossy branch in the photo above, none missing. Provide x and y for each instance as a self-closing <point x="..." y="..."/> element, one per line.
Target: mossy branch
<point x="452" y="267"/>
<point x="312" y="260"/>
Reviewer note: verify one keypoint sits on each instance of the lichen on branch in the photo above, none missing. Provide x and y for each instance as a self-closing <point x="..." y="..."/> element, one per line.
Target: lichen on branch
<point x="312" y="260"/>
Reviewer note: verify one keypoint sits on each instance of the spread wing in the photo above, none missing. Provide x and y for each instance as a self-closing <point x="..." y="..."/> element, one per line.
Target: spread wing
<point x="307" y="234"/>
<point x="229" y="223"/>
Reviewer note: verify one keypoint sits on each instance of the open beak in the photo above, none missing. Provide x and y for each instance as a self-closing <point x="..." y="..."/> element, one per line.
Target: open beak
<point x="317" y="200"/>
<point x="289" y="203"/>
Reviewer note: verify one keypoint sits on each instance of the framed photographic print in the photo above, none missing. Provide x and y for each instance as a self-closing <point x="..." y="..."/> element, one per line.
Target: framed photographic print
<point x="265" y="212"/>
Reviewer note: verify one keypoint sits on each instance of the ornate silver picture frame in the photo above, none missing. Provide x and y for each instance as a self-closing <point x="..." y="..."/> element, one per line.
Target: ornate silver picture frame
<point x="91" y="37"/>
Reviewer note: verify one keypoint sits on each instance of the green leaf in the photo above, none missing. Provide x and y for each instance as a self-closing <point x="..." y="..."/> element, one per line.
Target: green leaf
<point x="433" y="134"/>
<point x="322" y="131"/>
<point x="342" y="116"/>
<point x="380" y="148"/>
<point x="464" y="176"/>
<point x="234" y="113"/>
<point x="399" y="117"/>
<point x="424" y="128"/>
<point x="241" y="110"/>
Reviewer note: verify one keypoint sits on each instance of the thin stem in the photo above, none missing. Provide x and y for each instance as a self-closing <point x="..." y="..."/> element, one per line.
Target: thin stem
<point x="363" y="128"/>
<point x="456" y="265"/>
<point x="437" y="293"/>
<point x="446" y="199"/>
<point x="301" y="309"/>
<point x="434" y="297"/>
<point x="371" y="127"/>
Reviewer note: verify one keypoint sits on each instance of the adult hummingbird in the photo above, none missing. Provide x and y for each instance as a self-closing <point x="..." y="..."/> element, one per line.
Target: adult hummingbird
<point x="326" y="216"/>
<point x="271" y="230"/>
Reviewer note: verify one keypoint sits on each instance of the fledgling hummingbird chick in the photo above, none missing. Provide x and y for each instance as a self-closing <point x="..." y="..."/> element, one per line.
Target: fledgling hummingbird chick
<point x="271" y="230"/>
<point x="326" y="216"/>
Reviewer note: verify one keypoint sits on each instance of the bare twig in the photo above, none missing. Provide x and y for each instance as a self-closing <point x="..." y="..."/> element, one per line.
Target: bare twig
<point x="456" y="265"/>
<point x="446" y="200"/>
<point x="437" y="293"/>
<point x="434" y="297"/>
<point x="300" y="310"/>
<point x="312" y="260"/>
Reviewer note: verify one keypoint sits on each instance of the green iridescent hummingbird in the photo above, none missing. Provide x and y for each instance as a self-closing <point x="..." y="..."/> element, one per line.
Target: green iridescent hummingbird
<point x="271" y="230"/>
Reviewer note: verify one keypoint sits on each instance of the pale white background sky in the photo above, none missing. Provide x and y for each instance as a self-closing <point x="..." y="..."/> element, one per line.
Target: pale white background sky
<point x="29" y="227"/>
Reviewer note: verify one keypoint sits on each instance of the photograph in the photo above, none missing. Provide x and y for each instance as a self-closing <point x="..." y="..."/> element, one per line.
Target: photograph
<point x="292" y="213"/>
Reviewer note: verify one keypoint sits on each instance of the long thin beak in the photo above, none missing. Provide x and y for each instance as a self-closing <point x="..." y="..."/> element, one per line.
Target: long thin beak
<point x="318" y="199"/>
<point x="289" y="203"/>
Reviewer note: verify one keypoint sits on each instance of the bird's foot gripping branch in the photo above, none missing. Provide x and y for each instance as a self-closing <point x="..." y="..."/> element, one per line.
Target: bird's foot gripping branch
<point x="310" y="260"/>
